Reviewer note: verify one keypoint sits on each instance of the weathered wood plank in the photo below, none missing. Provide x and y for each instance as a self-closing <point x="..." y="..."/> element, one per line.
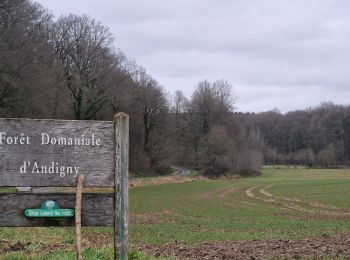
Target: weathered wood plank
<point x="121" y="186"/>
<point x="75" y="147"/>
<point x="97" y="209"/>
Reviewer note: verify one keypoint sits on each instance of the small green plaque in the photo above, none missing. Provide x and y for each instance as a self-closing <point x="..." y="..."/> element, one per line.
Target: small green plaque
<point x="49" y="209"/>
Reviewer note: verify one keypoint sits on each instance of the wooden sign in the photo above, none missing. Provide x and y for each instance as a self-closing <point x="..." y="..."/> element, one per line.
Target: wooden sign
<point x="53" y="153"/>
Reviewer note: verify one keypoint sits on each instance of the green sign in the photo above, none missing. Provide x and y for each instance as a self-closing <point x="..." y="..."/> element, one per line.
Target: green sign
<point x="49" y="209"/>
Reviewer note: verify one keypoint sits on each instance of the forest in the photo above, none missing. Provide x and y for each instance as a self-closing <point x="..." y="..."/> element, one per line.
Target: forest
<point x="69" y="68"/>
<point x="314" y="137"/>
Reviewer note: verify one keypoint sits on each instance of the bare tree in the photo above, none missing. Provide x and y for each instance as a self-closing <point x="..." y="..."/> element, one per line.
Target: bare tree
<point x="152" y="102"/>
<point x="215" y="152"/>
<point x="180" y="109"/>
<point x="83" y="47"/>
<point x="212" y="102"/>
<point x="22" y="40"/>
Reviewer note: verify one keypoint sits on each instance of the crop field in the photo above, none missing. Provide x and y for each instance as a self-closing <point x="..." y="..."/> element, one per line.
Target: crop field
<point x="294" y="213"/>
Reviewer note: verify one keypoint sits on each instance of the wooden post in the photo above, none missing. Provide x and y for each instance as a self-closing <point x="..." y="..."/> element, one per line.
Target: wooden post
<point x="78" y="216"/>
<point x="121" y="187"/>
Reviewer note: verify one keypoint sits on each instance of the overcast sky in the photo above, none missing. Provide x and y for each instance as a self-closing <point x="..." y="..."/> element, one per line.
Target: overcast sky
<point x="286" y="54"/>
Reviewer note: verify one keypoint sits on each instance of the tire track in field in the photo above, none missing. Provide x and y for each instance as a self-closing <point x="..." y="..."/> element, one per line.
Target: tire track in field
<point x="293" y="203"/>
<point x="310" y="203"/>
<point x="273" y="200"/>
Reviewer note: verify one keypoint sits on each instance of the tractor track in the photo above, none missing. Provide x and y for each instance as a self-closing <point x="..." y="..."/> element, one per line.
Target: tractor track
<point x="260" y="193"/>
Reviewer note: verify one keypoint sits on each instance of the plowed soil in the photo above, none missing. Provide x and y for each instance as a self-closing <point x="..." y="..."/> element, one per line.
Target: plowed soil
<point x="337" y="247"/>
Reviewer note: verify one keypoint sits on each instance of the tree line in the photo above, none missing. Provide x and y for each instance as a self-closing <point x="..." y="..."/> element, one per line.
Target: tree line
<point x="68" y="68"/>
<point x="315" y="137"/>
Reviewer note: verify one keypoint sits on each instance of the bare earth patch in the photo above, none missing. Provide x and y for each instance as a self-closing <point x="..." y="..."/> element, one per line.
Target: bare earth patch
<point x="315" y="248"/>
<point x="166" y="216"/>
<point x="222" y="193"/>
<point x="96" y="240"/>
<point x="7" y="246"/>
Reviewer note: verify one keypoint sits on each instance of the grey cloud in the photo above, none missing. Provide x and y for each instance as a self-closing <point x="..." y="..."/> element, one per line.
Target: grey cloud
<point x="270" y="50"/>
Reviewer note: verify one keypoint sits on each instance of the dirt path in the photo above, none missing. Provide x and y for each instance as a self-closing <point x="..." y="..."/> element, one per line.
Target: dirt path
<point x="181" y="175"/>
<point x="314" y="248"/>
<point x="181" y="171"/>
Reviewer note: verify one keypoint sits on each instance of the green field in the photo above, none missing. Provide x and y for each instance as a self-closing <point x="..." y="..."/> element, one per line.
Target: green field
<point x="281" y="203"/>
